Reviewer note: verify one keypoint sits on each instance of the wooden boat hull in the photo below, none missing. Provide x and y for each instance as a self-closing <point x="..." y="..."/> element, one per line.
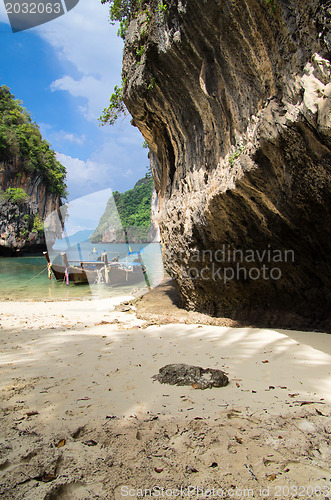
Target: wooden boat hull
<point x="76" y="275"/>
<point x="58" y="272"/>
<point x="117" y="275"/>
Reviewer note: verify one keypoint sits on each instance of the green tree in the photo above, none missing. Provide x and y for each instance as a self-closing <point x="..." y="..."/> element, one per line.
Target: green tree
<point x="115" y="109"/>
<point x="120" y="10"/>
<point x="123" y="11"/>
<point x="16" y="195"/>
<point x="38" y="225"/>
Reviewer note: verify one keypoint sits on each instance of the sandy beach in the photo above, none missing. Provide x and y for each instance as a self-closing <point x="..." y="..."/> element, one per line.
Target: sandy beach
<point x="82" y="417"/>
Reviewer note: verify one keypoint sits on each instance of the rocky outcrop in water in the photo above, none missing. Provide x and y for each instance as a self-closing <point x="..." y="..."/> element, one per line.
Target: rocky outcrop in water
<point x="234" y="100"/>
<point x="21" y="218"/>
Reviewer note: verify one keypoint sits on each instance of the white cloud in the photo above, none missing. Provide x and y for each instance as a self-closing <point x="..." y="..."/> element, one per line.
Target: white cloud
<point x="84" y="38"/>
<point x="132" y="139"/>
<point x="80" y="214"/>
<point x="70" y="137"/>
<point x="72" y="229"/>
<point x="111" y="165"/>
<point x="61" y="136"/>
<point x="119" y="141"/>
<point x="85" y="212"/>
<point x="91" y="58"/>
<point x="44" y="127"/>
<point x="96" y="92"/>
<point x="3" y="14"/>
<point x="80" y="172"/>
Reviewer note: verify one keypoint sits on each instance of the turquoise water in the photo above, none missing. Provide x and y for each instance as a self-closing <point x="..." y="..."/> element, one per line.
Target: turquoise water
<point x="25" y="278"/>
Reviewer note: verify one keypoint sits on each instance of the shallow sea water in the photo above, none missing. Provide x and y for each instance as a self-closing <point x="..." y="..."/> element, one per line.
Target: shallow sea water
<point x="26" y="277"/>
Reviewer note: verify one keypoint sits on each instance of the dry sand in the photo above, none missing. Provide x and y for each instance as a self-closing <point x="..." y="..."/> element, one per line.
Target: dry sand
<point x="82" y="417"/>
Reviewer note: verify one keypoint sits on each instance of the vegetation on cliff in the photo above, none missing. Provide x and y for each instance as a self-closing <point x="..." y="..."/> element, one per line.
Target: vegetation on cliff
<point x="17" y="216"/>
<point x="15" y="195"/>
<point x="32" y="180"/>
<point x="133" y="208"/>
<point x="123" y="11"/>
<point x="115" y="109"/>
<point x="20" y="138"/>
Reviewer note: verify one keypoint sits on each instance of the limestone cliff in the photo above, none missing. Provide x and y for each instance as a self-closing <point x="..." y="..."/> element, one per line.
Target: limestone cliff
<point x="32" y="181"/>
<point x="21" y="227"/>
<point x="234" y="100"/>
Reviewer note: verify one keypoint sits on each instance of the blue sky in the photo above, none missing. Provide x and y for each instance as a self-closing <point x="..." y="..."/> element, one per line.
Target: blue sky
<point x="64" y="72"/>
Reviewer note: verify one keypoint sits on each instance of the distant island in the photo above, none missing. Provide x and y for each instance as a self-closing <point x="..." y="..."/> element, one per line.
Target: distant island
<point x="72" y="240"/>
<point x="133" y="208"/>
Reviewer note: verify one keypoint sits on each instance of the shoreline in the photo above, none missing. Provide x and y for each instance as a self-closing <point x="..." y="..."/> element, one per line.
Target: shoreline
<point x="82" y="417"/>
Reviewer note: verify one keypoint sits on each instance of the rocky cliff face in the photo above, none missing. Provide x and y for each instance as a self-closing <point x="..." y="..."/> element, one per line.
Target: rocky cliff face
<point x="21" y="223"/>
<point x="234" y="100"/>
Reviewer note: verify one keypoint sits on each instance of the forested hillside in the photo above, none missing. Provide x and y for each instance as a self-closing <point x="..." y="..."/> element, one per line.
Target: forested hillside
<point x="133" y="208"/>
<point x="20" y="139"/>
<point x="32" y="181"/>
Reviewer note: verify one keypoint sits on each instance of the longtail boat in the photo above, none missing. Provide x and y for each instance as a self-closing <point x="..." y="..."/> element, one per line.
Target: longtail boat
<point x="110" y="273"/>
<point x="66" y="271"/>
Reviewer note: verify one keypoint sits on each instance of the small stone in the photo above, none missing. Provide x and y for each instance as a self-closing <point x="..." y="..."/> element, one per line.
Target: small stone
<point x="90" y="442"/>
